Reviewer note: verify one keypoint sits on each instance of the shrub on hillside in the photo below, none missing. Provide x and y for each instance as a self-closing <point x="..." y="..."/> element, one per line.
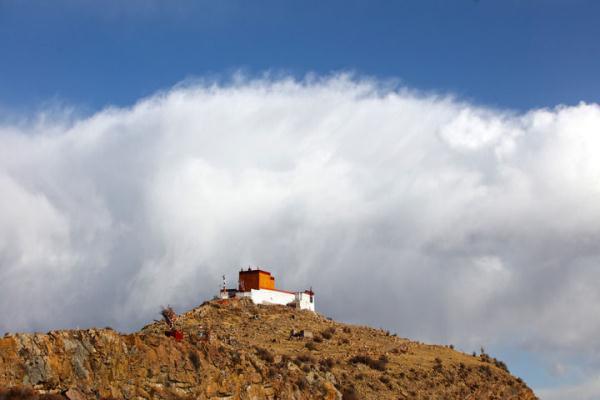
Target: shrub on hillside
<point x="350" y="394"/>
<point x="500" y="364"/>
<point x="485" y="370"/>
<point x="437" y="365"/>
<point x="195" y="359"/>
<point x="305" y="358"/>
<point x="311" y="346"/>
<point x="328" y="333"/>
<point x="326" y="364"/>
<point x="265" y="355"/>
<point x="379" y="364"/>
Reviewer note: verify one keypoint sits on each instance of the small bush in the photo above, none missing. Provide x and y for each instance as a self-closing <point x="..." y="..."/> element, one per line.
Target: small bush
<point x="379" y="364"/>
<point x="311" y="346"/>
<point x="318" y="339"/>
<point x="328" y="333"/>
<point x="485" y="370"/>
<point x="500" y="364"/>
<point x="347" y="329"/>
<point x="326" y="364"/>
<point x="236" y="357"/>
<point x="437" y="365"/>
<point x="360" y="360"/>
<point x="195" y="359"/>
<point x="350" y="394"/>
<point x="305" y="358"/>
<point x="265" y="355"/>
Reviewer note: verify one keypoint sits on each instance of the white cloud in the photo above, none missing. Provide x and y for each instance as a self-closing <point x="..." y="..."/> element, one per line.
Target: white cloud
<point x="442" y="220"/>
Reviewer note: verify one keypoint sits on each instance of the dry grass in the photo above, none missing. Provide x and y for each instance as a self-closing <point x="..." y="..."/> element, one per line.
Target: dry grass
<point x="427" y="371"/>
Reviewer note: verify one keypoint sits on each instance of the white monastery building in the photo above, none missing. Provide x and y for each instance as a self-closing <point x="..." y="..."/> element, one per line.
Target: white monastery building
<point x="259" y="286"/>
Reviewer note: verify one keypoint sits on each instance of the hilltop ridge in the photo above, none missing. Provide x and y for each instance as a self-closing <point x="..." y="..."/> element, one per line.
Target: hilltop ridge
<point x="234" y="349"/>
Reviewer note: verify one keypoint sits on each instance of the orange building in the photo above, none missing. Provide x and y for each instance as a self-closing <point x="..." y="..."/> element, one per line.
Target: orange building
<point x="255" y="279"/>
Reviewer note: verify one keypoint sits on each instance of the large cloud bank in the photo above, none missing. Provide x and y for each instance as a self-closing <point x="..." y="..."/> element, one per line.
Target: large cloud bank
<point x="435" y="218"/>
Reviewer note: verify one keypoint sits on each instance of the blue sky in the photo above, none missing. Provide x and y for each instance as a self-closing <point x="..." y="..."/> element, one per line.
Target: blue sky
<point x="501" y="59"/>
<point x="511" y="54"/>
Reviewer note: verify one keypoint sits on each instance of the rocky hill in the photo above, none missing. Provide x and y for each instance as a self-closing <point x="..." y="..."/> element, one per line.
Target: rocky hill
<point x="233" y="349"/>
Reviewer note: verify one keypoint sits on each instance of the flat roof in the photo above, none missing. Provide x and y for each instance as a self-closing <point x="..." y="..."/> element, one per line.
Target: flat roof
<point x="245" y="271"/>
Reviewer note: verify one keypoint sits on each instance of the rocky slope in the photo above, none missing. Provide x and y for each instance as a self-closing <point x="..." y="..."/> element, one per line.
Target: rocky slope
<point x="236" y="350"/>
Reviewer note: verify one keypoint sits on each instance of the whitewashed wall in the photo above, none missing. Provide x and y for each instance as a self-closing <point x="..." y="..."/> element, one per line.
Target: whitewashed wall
<point x="304" y="302"/>
<point x="266" y="296"/>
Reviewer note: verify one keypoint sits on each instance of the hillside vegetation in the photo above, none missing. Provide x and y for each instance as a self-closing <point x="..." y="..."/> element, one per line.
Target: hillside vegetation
<point x="233" y="349"/>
